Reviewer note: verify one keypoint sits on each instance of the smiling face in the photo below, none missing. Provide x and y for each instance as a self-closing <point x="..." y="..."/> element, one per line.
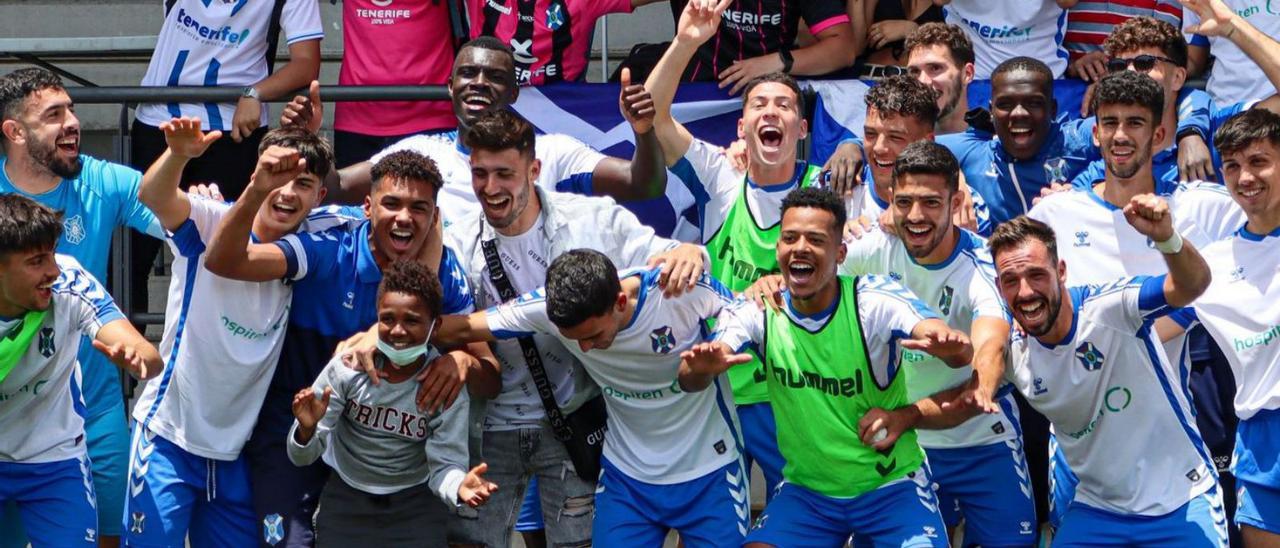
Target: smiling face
<point x="1031" y="285"/>
<point x="401" y="213"/>
<point x="26" y="280"/>
<point x="772" y="124"/>
<point x="923" y="207"/>
<point x="886" y="135"/>
<point x="482" y="80"/>
<point x="49" y="132"/>
<point x="286" y="207"/>
<point x="403" y="320"/>
<point x="809" y="248"/>
<point x="503" y="183"/>
<point x="1022" y="106"/>
<point x="933" y="66"/>
<point x="1126" y="135"/>
<point x="1171" y="77"/>
<point x="1253" y="177"/>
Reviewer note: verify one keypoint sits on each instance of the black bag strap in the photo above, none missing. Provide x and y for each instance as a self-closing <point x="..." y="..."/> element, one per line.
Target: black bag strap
<point x="273" y="35"/>
<point x="532" y="358"/>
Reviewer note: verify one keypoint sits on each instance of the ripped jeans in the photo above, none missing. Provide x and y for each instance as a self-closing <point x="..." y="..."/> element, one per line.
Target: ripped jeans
<point x="513" y="457"/>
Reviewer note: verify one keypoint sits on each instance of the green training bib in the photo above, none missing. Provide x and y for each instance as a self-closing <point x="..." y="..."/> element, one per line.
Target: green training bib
<point x="14" y="345"/>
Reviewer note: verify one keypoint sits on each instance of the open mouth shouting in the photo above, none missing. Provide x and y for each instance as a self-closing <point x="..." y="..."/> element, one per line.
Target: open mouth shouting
<point x="1032" y="313"/>
<point x="1022" y="136"/>
<point x="69" y="144"/>
<point x="917" y="234"/>
<point x="800" y="272"/>
<point x="44" y="291"/>
<point x="476" y="102"/>
<point x="771" y="137"/>
<point x="283" y="211"/>
<point x="401" y="239"/>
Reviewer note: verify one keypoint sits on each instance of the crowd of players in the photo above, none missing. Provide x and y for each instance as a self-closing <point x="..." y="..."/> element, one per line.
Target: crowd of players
<point x="858" y="333"/>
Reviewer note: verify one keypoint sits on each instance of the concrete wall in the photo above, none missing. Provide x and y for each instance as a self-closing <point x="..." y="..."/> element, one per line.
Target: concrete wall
<point x="54" y="19"/>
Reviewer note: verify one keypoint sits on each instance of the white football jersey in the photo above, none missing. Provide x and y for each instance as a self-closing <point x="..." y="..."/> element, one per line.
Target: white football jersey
<point x="657" y="433"/>
<point x="1120" y="409"/>
<point x="222" y="43"/>
<point x="40" y="403"/>
<point x="220" y="345"/>
<point x="960" y="290"/>
<point x="564" y="160"/>
<point x="1004" y="29"/>
<point x="1241" y="310"/>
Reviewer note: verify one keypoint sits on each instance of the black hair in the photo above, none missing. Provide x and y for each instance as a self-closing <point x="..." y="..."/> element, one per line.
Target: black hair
<point x="928" y="158"/>
<point x="499" y="130"/>
<point x="27" y="225"/>
<point x="489" y="43"/>
<point x="1130" y="88"/>
<point x="775" y="77"/>
<point x="313" y="148"/>
<point x="818" y="198"/>
<point x="1243" y="129"/>
<point x="904" y="96"/>
<point x="20" y="84"/>
<point x="1028" y="64"/>
<point x="581" y="284"/>
<point x="411" y="278"/>
<point x="407" y="165"/>
<point x="1016" y="232"/>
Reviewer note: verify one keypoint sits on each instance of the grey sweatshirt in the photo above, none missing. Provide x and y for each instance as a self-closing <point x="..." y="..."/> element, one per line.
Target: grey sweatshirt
<point x="375" y="438"/>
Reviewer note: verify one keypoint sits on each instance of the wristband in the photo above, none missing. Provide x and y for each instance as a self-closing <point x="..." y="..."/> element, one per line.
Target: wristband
<point x="787" y="59"/>
<point x="1171" y="246"/>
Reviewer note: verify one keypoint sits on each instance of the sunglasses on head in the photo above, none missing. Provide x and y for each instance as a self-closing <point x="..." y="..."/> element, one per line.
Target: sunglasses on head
<point x="1141" y="63"/>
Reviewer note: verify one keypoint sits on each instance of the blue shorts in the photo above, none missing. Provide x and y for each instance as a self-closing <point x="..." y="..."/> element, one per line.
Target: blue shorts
<point x="172" y="492"/>
<point x="1062" y="483"/>
<point x="902" y="513"/>
<point x="285" y="503"/>
<point x="990" y="487"/>
<point x="107" y="438"/>
<point x="1200" y="522"/>
<point x="1256" y="467"/>
<point x="530" y="519"/>
<point x="55" y="501"/>
<point x="760" y="444"/>
<point x="708" y="511"/>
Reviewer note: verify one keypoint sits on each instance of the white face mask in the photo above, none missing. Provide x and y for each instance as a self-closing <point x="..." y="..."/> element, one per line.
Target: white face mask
<point x="405" y="356"/>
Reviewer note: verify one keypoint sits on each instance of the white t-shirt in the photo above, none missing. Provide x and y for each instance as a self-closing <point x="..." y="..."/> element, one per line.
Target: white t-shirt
<point x="40" y="403"/>
<point x="886" y="311"/>
<point x="525" y="261"/>
<point x="657" y="433"/>
<point x="1120" y="409"/>
<point x="563" y="158"/>
<point x="220" y="344"/>
<point x="716" y="187"/>
<point x="1004" y="29"/>
<point x="1240" y="312"/>
<point x="1235" y="78"/>
<point x="222" y="43"/>
<point x="960" y="290"/>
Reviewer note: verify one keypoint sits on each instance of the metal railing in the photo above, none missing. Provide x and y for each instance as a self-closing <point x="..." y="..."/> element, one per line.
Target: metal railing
<point x="129" y="96"/>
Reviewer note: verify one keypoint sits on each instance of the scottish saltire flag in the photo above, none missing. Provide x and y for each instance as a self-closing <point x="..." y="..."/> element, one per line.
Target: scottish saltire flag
<point x="589" y="112"/>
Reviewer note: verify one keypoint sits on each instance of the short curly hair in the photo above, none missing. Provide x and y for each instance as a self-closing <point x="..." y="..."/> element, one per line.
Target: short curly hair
<point x="500" y="130"/>
<point x="1147" y="32"/>
<point x="818" y="198"/>
<point x="951" y="37"/>
<point x="904" y="96"/>
<point x="411" y="278"/>
<point x="1130" y="88"/>
<point x="20" y="84"/>
<point x="407" y="165"/>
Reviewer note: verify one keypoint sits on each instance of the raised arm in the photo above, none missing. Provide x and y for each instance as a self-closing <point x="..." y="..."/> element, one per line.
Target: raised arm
<point x="457" y="330"/>
<point x="935" y="337"/>
<point x="1188" y="272"/>
<point x="303" y="67"/>
<point x="1217" y="19"/>
<point x="702" y="363"/>
<point x="645" y="176"/>
<point x="698" y="23"/>
<point x="231" y="254"/>
<point x="159" y="190"/>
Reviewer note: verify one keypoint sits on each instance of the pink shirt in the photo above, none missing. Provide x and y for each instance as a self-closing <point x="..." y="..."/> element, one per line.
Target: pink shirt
<point x="550" y="38"/>
<point x="402" y="43"/>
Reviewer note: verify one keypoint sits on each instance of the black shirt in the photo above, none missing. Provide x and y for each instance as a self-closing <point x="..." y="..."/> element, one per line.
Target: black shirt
<point x="751" y="28"/>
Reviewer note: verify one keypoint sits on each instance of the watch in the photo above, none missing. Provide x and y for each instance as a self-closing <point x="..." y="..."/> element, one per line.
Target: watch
<point x="787" y="59"/>
<point x="251" y="93"/>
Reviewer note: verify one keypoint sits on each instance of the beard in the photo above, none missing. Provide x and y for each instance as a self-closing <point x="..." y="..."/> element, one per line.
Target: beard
<point x="1054" y="305"/>
<point x="954" y="103"/>
<point x="1140" y="158"/>
<point x="519" y="201"/>
<point x="47" y="156"/>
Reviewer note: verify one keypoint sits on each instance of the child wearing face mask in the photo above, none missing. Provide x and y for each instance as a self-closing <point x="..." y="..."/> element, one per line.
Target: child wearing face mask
<point x="373" y="434"/>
